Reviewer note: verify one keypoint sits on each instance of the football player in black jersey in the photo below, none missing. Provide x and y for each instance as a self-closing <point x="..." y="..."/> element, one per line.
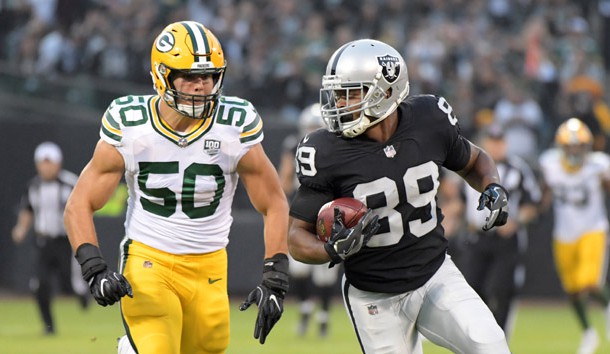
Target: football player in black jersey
<point x="387" y="151"/>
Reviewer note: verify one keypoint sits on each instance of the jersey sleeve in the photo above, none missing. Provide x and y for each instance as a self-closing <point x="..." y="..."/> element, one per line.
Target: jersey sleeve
<point x="252" y="128"/>
<point x="243" y="120"/>
<point x="307" y="202"/>
<point x="443" y="121"/>
<point x="458" y="154"/>
<point x="603" y="160"/>
<point x="314" y="163"/>
<point x="314" y="160"/>
<point x="111" y="130"/>
<point x="25" y="202"/>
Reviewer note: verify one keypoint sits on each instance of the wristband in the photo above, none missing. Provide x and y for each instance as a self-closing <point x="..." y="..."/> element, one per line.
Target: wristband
<point x="90" y="259"/>
<point x="275" y="273"/>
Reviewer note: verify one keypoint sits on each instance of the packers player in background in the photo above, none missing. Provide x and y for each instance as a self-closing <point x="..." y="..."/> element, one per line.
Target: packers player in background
<point x="181" y="152"/>
<point x="577" y="179"/>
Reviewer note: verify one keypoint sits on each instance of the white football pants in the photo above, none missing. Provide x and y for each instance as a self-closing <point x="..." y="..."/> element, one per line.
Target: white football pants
<point x="446" y="310"/>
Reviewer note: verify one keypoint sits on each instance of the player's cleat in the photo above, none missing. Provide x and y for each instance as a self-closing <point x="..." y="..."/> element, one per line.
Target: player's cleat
<point x="49" y="331"/>
<point x="124" y="347"/>
<point x="589" y="342"/>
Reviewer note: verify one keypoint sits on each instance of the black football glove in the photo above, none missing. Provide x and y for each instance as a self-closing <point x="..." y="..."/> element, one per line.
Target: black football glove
<point x="494" y="198"/>
<point x="106" y="286"/>
<point x="269" y="295"/>
<point x="344" y="242"/>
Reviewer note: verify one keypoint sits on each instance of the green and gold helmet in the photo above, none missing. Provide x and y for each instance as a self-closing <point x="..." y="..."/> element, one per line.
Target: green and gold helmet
<point x="575" y="140"/>
<point x="187" y="47"/>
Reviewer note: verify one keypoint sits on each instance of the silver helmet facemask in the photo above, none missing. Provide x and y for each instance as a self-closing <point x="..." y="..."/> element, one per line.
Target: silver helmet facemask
<point x="369" y="69"/>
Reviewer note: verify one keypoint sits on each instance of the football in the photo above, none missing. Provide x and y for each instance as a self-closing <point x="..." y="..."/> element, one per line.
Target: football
<point x="351" y="212"/>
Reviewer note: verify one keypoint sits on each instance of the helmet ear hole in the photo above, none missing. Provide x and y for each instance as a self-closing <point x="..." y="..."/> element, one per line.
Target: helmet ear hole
<point x="388" y="93"/>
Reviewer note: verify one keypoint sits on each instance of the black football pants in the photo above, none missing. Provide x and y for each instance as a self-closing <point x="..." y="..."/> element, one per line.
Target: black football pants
<point x="489" y="262"/>
<point x="54" y="262"/>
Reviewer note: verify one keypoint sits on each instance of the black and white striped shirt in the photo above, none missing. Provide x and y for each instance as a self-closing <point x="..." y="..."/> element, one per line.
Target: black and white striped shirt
<point x="47" y="201"/>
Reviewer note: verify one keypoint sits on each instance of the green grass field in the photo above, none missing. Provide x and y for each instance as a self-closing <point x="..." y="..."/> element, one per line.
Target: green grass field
<point x="540" y="329"/>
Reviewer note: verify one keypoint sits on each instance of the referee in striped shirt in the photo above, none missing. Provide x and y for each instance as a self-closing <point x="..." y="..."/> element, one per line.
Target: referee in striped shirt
<point x="491" y="261"/>
<point x="43" y="206"/>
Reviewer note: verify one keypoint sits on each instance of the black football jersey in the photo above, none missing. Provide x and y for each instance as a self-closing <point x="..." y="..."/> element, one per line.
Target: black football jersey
<point x="399" y="180"/>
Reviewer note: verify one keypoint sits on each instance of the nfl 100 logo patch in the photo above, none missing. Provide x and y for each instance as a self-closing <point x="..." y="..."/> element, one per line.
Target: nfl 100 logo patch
<point x="211" y="146"/>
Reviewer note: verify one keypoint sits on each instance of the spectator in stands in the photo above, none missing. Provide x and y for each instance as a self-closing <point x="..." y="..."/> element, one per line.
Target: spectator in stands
<point x="520" y="117"/>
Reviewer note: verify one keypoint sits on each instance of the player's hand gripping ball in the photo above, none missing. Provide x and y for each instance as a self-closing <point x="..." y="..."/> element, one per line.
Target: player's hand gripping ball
<point x="351" y="209"/>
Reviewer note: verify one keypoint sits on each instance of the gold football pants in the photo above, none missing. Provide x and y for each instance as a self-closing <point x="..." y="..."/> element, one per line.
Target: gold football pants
<point x="580" y="263"/>
<point x="180" y="303"/>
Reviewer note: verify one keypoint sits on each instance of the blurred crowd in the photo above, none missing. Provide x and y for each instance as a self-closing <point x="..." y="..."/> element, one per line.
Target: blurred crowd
<point x="524" y="64"/>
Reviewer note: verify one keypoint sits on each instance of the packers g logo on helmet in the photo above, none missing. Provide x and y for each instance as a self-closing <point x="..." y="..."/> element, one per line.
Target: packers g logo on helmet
<point x="189" y="48"/>
<point x="165" y="42"/>
<point x="575" y="139"/>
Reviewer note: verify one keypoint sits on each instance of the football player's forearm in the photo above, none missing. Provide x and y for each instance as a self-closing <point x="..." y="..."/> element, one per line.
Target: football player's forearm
<point x="79" y="225"/>
<point x="276" y="233"/>
<point x="481" y="171"/>
<point x="276" y="238"/>
<point x="305" y="247"/>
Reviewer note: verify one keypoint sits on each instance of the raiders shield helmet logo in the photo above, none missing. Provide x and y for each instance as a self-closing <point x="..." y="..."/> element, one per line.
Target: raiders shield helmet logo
<point x="391" y="67"/>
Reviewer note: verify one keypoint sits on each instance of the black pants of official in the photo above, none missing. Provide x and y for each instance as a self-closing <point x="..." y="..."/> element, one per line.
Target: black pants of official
<point x="54" y="263"/>
<point x="488" y="262"/>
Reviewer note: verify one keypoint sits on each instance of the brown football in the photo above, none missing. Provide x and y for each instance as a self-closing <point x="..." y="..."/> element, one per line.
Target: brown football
<point x="351" y="212"/>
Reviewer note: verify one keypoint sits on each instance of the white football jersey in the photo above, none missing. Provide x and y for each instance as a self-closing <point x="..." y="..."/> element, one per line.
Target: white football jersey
<point x="578" y="197"/>
<point x="181" y="186"/>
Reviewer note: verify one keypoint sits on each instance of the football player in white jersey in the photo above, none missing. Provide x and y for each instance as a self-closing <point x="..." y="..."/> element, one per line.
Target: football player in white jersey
<point x="181" y="152"/>
<point x="577" y="178"/>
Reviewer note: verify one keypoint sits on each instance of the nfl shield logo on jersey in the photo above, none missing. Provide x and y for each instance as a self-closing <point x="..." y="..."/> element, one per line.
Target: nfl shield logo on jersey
<point x="372" y="309"/>
<point x="389" y="151"/>
<point x="211" y="146"/>
<point x="391" y="67"/>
